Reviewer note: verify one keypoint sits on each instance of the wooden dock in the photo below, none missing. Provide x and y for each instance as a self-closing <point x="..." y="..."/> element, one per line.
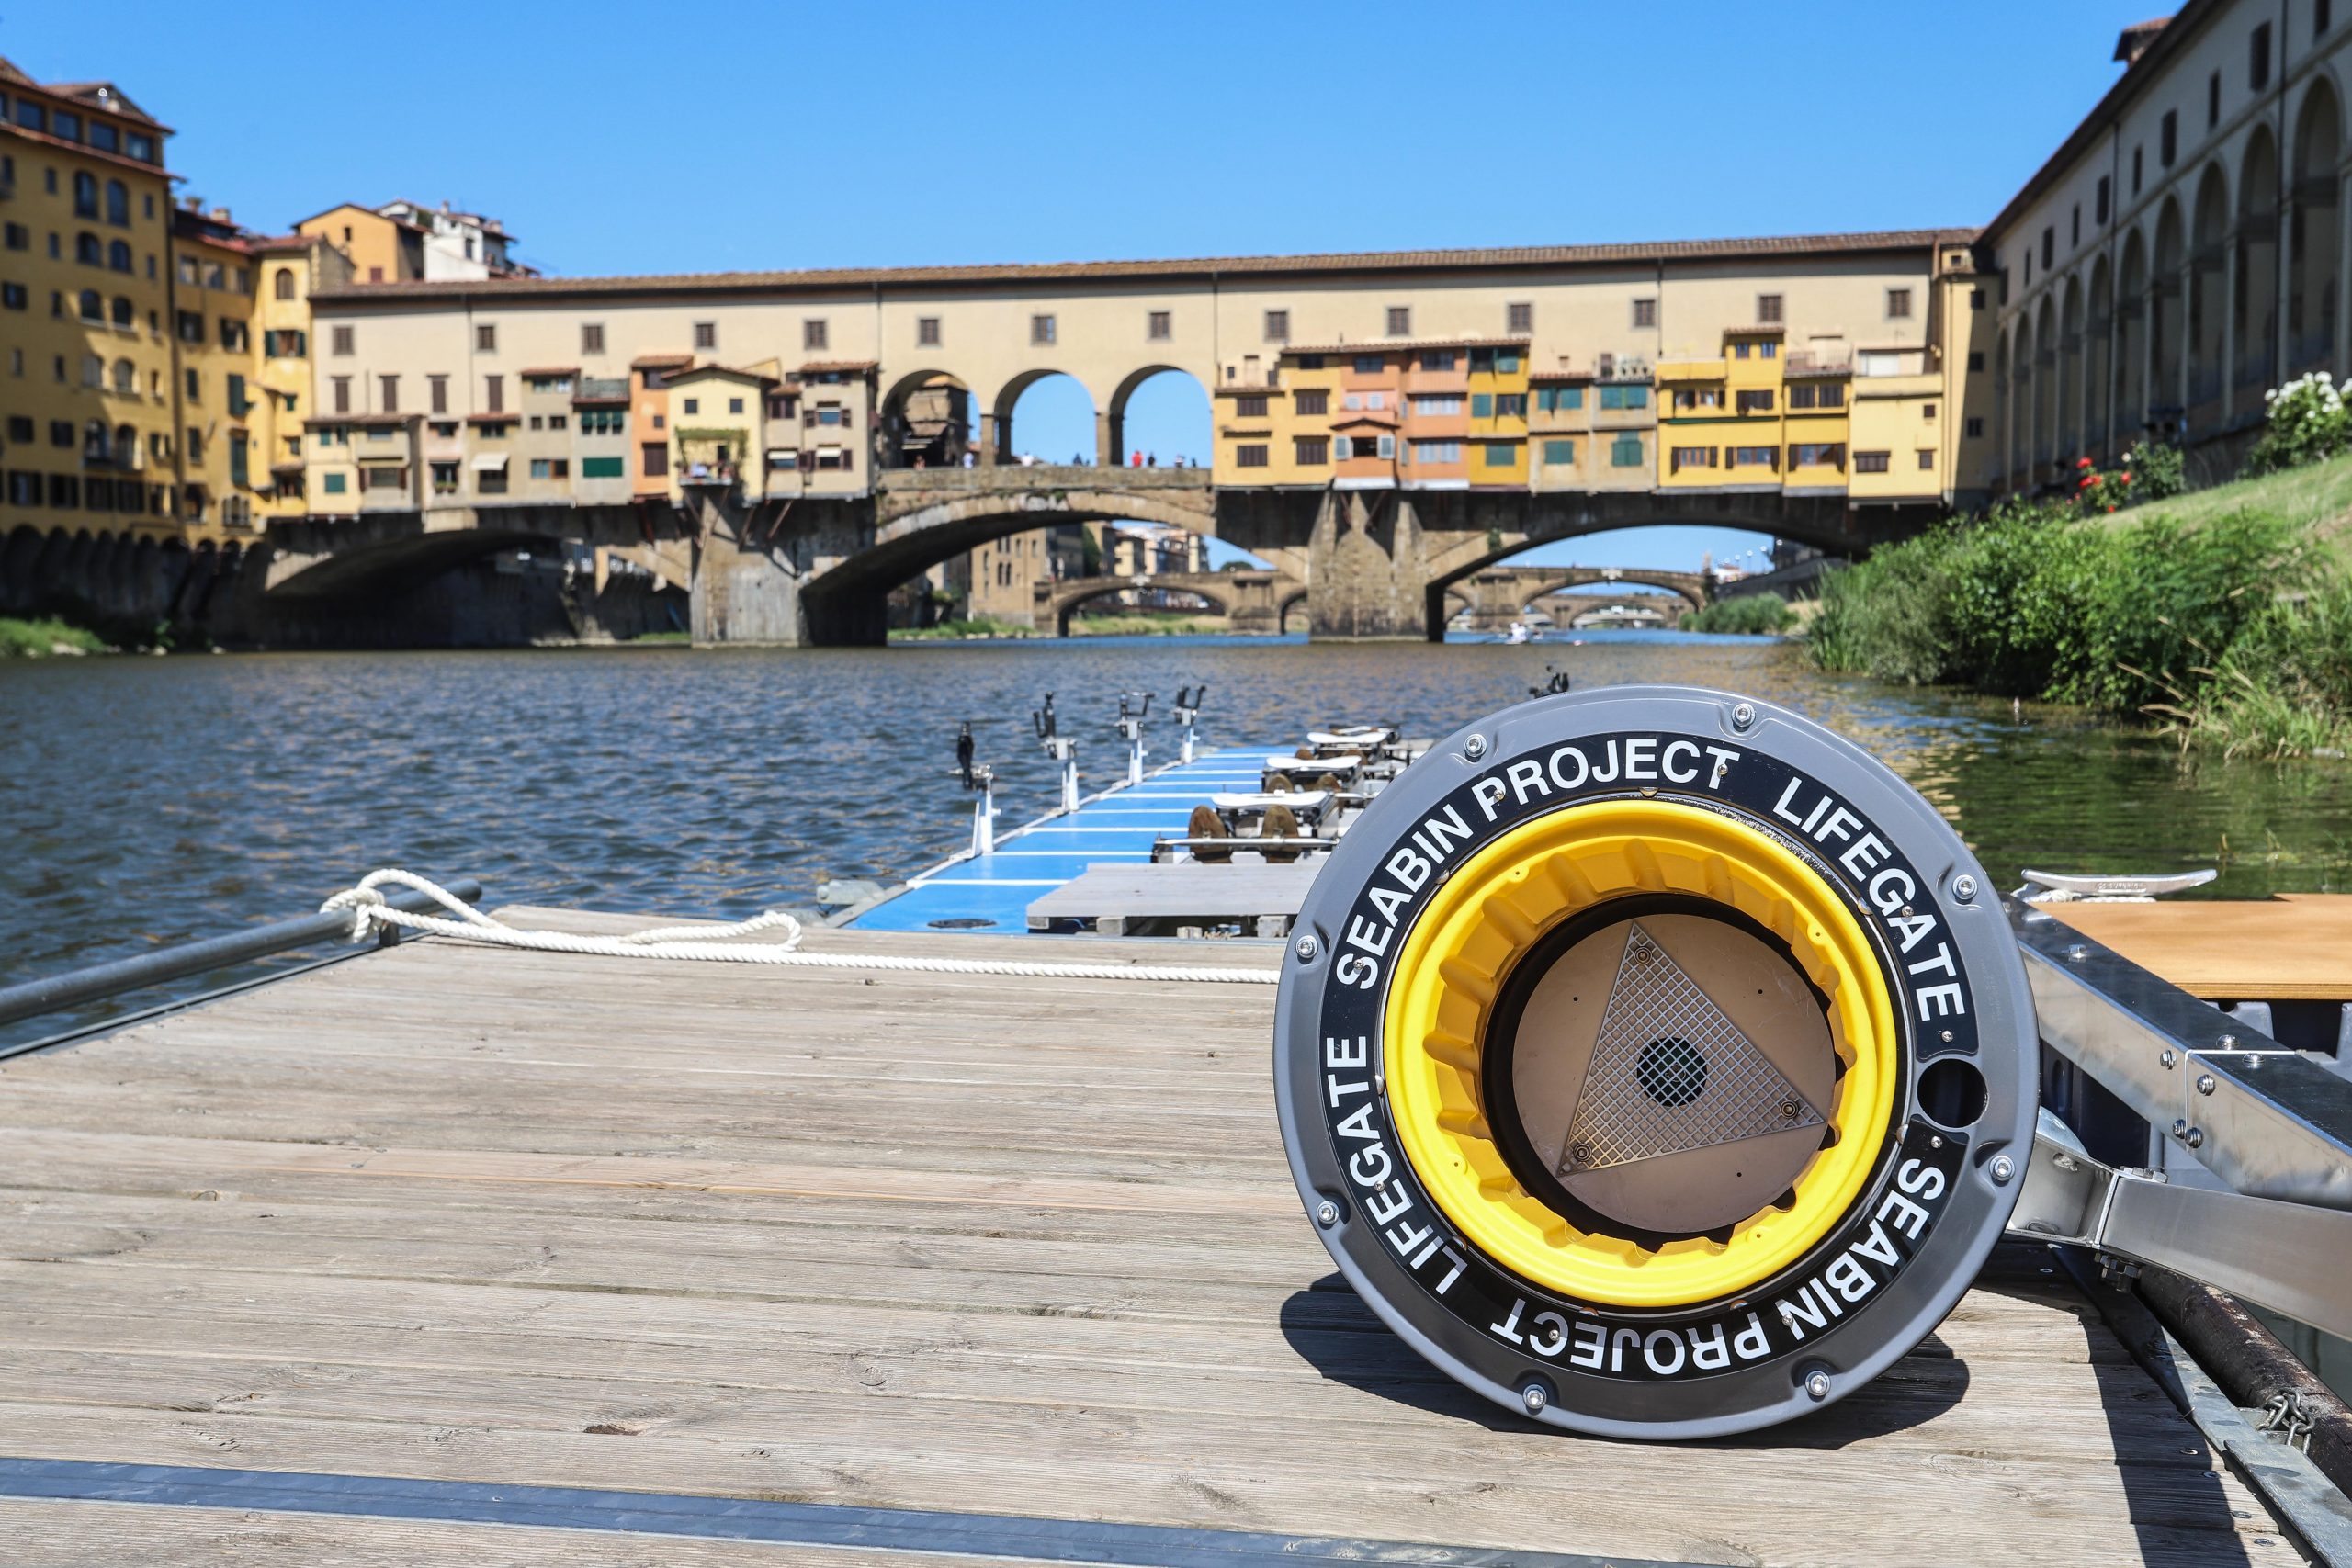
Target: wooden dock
<point x="869" y="1250"/>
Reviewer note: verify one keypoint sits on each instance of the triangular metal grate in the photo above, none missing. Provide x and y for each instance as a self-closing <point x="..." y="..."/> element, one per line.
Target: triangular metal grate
<point x="1671" y="1073"/>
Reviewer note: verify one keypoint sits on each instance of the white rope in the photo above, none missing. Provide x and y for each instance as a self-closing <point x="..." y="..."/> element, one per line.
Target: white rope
<point x="711" y="944"/>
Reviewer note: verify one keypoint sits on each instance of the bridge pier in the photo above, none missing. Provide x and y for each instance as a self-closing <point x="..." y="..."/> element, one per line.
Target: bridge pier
<point x="745" y="592"/>
<point x="1369" y="568"/>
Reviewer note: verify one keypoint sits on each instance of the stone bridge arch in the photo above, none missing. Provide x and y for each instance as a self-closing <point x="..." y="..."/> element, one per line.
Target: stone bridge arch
<point x="1476" y="534"/>
<point x="341" y="557"/>
<point x="1495" y="597"/>
<point x="925" y="517"/>
<point x="1255" y="602"/>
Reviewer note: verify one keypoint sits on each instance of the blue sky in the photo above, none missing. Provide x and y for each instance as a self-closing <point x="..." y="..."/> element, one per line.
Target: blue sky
<point x="617" y="138"/>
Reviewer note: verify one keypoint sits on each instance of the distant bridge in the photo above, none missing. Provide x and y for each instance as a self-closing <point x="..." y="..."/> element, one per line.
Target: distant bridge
<point x="1498" y="597"/>
<point x="1255" y="602"/>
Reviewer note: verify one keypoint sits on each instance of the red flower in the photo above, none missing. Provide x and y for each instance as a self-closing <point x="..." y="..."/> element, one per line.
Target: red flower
<point x="2082" y="462"/>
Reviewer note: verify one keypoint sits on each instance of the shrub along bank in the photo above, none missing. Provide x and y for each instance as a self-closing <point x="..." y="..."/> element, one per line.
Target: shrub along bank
<point x="1756" y="614"/>
<point x="2234" y="629"/>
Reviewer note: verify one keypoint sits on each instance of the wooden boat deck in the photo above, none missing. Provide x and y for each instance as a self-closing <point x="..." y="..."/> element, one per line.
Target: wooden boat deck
<point x="875" y="1241"/>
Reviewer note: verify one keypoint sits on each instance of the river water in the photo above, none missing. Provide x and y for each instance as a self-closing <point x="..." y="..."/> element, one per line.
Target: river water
<point x="147" y="801"/>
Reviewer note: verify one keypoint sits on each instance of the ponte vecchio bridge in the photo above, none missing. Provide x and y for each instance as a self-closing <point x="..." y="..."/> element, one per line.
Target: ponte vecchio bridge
<point x="1383" y="428"/>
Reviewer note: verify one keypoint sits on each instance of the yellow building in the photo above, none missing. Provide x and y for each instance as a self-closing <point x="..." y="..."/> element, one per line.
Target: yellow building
<point x="286" y="268"/>
<point x="376" y="248"/>
<point x="1496" y="436"/>
<point x="214" y="380"/>
<point x="86" y="411"/>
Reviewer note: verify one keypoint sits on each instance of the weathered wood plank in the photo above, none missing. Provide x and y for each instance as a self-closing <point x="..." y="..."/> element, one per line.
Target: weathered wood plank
<point x="983" y="1244"/>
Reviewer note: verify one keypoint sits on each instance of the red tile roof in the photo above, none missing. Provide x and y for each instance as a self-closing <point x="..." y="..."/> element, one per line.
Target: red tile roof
<point x="845" y="279"/>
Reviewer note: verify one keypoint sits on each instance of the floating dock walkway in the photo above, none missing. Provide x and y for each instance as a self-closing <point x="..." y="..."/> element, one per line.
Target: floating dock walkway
<point x="466" y="1255"/>
<point x="993" y="892"/>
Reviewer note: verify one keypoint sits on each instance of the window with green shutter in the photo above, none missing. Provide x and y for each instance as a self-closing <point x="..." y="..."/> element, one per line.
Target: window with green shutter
<point x="335" y="484"/>
<point x="1559" y="454"/>
<point x="601" y="468"/>
<point x="1625" y="452"/>
<point x="1502" y="454"/>
<point x="1482" y="405"/>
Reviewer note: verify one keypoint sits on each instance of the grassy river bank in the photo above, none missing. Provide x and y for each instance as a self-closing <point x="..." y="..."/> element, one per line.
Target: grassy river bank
<point x="2225" y="615"/>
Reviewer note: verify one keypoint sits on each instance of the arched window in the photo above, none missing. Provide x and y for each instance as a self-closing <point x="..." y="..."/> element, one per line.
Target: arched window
<point x="94" y="306"/>
<point x="285" y="283"/>
<point x="94" y="371"/>
<point x="126" y="440"/>
<point x="88" y="251"/>
<point x="118" y="204"/>
<point x="125" y="316"/>
<point x="94" y="442"/>
<point x="125" y="378"/>
<point x="86" y="195"/>
<point x="119" y="255"/>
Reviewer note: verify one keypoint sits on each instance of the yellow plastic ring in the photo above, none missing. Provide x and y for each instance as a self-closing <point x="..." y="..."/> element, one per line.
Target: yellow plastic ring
<point x="1454" y="964"/>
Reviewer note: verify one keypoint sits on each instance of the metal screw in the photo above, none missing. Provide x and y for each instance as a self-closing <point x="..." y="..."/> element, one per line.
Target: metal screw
<point x="2194" y="1137"/>
<point x="1935" y="1140"/>
<point x="2228" y="1042"/>
<point x="1475" y="747"/>
<point x="2204" y="1083"/>
<point x="1743" y="716"/>
<point x="1579" y="1152"/>
<point x="1964" y="889"/>
<point x="2077" y="953"/>
<point x="1788" y="1109"/>
<point x="2167" y="1058"/>
<point x="2003" y="1168"/>
<point x="1947" y="1036"/>
<point x="1816" y="1385"/>
<point x="1534" y="1398"/>
<point x="1306" y="947"/>
<point x="1327" y="1214"/>
<point x="2180" y="1126"/>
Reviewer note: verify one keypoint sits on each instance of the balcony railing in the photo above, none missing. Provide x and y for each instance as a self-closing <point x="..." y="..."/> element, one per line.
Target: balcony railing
<point x="717" y="475"/>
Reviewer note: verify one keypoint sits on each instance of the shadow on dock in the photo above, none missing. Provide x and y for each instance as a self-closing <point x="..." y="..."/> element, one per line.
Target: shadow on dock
<point x="1331" y="1329"/>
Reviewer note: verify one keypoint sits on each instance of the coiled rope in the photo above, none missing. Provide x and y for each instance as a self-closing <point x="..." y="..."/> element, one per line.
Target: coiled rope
<point x="711" y="944"/>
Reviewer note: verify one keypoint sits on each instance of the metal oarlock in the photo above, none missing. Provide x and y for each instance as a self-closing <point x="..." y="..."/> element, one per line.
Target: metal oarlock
<point x="979" y="778"/>
<point x="1188" y="713"/>
<point x="1062" y="748"/>
<point x="1134" y="706"/>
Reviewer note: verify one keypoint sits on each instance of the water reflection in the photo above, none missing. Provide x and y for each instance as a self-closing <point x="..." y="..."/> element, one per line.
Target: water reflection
<point x="151" y="800"/>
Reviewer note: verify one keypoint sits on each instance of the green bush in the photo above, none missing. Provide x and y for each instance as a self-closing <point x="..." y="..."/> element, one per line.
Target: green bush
<point x="2306" y="422"/>
<point x="2156" y="468"/>
<point x="2284" y="688"/>
<point x="1754" y="615"/>
<point x="2028" y="602"/>
<point x="38" y="640"/>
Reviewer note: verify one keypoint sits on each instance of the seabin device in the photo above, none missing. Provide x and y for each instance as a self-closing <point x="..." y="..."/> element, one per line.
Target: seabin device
<point x="1654" y="1062"/>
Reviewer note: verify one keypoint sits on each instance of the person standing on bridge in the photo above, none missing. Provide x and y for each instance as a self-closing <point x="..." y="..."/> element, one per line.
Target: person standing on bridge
<point x="1135" y="461"/>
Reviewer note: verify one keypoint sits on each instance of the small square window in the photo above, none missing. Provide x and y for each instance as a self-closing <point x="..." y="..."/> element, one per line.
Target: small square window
<point x="705" y="335"/>
<point x="342" y="340"/>
<point x="1278" y="326"/>
<point x="927" y="332"/>
<point x="1898" y="304"/>
<point x="1041" y="330"/>
<point x="1645" y="313"/>
<point x="813" y="335"/>
<point x="1518" y="319"/>
<point x="1400" y="321"/>
<point x="734" y="405"/>
<point x="592" y="337"/>
<point x="1157" y="326"/>
<point x="486" y="337"/>
<point x="1768" y="309"/>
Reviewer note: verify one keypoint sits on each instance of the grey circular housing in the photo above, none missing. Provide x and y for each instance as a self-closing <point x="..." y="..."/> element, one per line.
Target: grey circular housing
<point x="1654" y="1066"/>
